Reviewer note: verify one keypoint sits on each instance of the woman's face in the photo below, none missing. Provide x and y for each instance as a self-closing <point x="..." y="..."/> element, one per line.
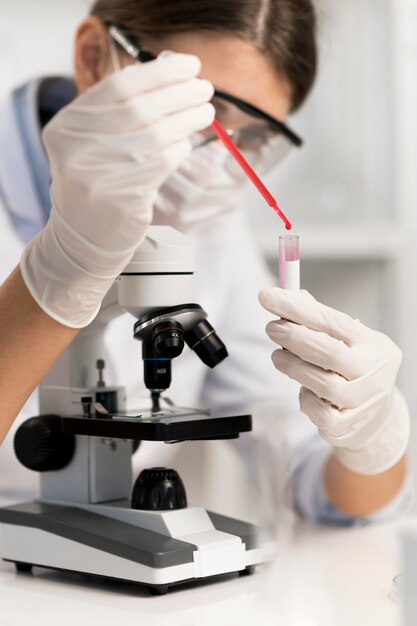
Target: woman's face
<point x="228" y="62"/>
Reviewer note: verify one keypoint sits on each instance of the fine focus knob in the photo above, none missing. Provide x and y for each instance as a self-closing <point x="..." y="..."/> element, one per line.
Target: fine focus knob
<point x="159" y="489"/>
<point x="168" y="339"/>
<point x="40" y="444"/>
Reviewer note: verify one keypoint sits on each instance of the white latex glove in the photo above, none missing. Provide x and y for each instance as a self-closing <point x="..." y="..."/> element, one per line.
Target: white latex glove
<point x="110" y="151"/>
<point x="347" y="373"/>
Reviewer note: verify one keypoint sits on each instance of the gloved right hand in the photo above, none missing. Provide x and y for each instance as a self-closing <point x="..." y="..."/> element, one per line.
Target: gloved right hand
<point x="347" y="374"/>
<point x="110" y="151"/>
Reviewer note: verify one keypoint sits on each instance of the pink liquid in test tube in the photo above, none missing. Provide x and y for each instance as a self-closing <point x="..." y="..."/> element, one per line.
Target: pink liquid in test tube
<point x="289" y="262"/>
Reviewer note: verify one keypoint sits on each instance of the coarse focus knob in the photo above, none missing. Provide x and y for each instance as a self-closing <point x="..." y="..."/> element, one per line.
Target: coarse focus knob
<point x="159" y="489"/>
<point x="40" y="444"/>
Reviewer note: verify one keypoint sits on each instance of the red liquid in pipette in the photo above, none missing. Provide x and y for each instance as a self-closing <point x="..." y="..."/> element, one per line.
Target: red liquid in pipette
<point x="240" y="159"/>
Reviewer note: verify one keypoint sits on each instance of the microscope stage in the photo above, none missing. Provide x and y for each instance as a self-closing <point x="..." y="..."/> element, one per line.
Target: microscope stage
<point x="172" y="427"/>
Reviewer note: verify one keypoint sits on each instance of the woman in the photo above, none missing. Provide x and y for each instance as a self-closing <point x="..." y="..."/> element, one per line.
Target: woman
<point x="118" y="161"/>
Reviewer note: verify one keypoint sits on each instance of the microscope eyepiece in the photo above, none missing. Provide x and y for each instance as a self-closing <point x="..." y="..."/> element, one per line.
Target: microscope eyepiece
<point x="204" y="341"/>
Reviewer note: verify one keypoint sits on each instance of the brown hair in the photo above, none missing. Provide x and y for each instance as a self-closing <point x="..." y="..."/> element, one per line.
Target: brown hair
<point x="283" y="29"/>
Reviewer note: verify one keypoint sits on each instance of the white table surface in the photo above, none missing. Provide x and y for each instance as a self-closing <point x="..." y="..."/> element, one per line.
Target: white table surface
<point x="323" y="577"/>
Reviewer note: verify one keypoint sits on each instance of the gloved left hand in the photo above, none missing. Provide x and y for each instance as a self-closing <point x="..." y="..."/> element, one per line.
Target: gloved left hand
<point x="347" y="372"/>
<point x="110" y="151"/>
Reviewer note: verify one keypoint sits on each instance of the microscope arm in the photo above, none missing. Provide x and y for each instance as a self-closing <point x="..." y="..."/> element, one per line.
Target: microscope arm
<point x="77" y="366"/>
<point x="159" y="275"/>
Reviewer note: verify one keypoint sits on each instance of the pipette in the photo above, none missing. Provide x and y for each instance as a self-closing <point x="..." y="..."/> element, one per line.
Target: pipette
<point x="250" y="173"/>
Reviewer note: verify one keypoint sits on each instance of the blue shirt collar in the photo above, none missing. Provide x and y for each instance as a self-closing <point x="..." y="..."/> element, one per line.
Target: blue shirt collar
<point x="24" y="168"/>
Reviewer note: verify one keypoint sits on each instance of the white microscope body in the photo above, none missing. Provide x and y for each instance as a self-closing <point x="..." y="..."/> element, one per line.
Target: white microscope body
<point x="86" y="518"/>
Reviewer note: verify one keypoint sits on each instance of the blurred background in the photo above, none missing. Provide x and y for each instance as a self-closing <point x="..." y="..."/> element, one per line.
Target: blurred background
<point x="351" y="191"/>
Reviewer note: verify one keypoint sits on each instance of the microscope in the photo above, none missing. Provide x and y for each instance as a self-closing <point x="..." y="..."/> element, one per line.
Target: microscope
<point x="88" y="517"/>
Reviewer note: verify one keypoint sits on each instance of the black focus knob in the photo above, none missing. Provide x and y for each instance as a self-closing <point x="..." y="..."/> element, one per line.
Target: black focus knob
<point x="40" y="444"/>
<point x="159" y="489"/>
<point x="168" y="339"/>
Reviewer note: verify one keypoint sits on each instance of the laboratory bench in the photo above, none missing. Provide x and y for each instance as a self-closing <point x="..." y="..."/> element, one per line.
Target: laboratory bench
<point x="321" y="577"/>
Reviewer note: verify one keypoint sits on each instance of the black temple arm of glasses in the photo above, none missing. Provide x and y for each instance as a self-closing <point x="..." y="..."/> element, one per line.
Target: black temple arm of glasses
<point x="129" y="43"/>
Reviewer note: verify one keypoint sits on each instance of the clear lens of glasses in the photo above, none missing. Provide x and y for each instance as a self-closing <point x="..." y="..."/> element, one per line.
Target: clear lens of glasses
<point x="262" y="145"/>
<point x="262" y="158"/>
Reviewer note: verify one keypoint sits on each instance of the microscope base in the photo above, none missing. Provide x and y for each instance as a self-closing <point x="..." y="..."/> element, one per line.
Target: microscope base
<point x="72" y="539"/>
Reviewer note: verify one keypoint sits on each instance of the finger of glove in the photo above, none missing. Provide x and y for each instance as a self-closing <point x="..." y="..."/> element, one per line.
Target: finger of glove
<point x="337" y="389"/>
<point x="327" y="385"/>
<point x="347" y="428"/>
<point x="174" y="128"/>
<point x="113" y="205"/>
<point x="300" y="307"/>
<point x="137" y="79"/>
<point x="140" y="111"/>
<point x="149" y="176"/>
<point x="84" y="148"/>
<point x="110" y="184"/>
<point x="110" y="204"/>
<point x="112" y="180"/>
<point x="316" y="347"/>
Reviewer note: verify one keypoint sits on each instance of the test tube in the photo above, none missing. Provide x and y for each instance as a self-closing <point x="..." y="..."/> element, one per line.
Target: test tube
<point x="289" y="262"/>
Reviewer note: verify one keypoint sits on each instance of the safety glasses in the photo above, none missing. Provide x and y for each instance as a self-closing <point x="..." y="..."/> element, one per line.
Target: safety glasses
<point x="264" y="140"/>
